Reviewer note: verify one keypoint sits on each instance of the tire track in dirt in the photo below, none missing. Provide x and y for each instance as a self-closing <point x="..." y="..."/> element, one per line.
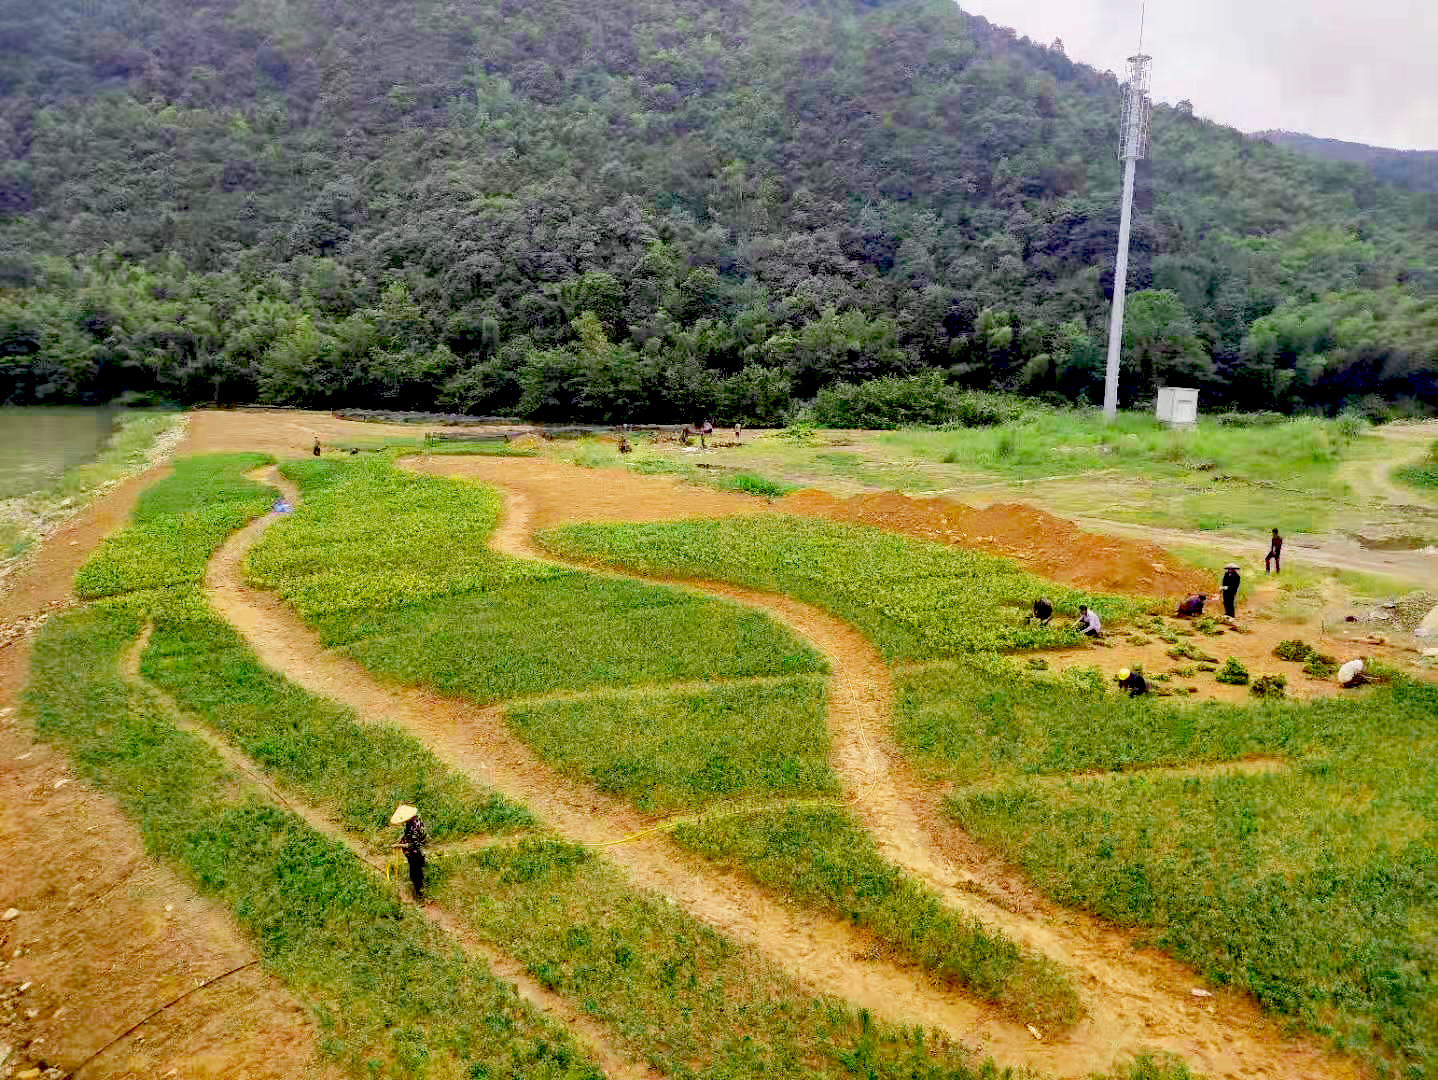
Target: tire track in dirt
<point x="1134" y="1000"/>
<point x="592" y="1036"/>
<point x="825" y="955"/>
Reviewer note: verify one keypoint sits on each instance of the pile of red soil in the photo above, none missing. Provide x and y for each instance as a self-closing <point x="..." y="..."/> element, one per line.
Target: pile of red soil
<point x="1047" y="545"/>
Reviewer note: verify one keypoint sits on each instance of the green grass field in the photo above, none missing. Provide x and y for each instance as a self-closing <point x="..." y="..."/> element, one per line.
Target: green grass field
<point x="1424" y="475"/>
<point x="1313" y="887"/>
<point x="822" y="856"/>
<point x="916" y="600"/>
<point x="392" y="997"/>
<point x="675" y="750"/>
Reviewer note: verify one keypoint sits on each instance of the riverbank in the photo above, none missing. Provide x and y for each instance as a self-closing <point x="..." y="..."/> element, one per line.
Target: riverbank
<point x="142" y="439"/>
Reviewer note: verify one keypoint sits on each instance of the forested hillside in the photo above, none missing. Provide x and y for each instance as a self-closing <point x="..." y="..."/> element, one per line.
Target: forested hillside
<point x="641" y="208"/>
<point x="1415" y="169"/>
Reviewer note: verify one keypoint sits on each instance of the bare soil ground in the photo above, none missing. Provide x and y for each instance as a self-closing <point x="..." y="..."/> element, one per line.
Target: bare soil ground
<point x="106" y="934"/>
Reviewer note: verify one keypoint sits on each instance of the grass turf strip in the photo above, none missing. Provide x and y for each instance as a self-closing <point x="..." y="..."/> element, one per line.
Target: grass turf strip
<point x="680" y="750"/>
<point x="312" y="745"/>
<point x="394" y="567"/>
<point x="673" y="750"/>
<point x="822" y="856"/>
<point x="391" y="997"/>
<point x="915" y="600"/>
<point x="176" y="526"/>
<point x="1315" y="888"/>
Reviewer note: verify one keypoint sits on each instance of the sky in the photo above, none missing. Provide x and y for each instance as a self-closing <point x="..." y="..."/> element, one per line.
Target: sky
<point x="1360" y="70"/>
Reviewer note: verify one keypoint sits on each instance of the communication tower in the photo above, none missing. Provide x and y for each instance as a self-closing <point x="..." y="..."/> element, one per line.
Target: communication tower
<point x="1134" y="130"/>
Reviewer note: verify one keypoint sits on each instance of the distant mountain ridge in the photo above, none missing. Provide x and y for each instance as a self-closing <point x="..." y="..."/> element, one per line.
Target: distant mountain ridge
<point x="1416" y="170"/>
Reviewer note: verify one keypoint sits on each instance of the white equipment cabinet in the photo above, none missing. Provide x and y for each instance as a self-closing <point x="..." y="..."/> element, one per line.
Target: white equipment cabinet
<point x="1177" y="406"/>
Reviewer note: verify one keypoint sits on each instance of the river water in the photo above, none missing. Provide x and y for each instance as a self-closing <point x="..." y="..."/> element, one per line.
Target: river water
<point x="38" y="444"/>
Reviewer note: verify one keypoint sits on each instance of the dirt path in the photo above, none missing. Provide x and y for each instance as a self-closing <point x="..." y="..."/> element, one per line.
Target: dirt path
<point x="826" y="955"/>
<point x="1135" y="1000"/>
<point x="107" y="934"/>
<point x="590" y="1034"/>
<point x="1408" y="444"/>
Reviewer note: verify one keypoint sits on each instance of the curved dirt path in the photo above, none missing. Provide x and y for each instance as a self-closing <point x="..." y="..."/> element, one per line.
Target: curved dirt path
<point x="1408" y="444"/>
<point x="592" y="1036"/>
<point x="825" y="955"/>
<point x="1135" y="1000"/>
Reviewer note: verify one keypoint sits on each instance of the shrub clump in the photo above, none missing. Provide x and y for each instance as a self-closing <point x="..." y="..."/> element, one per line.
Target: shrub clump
<point x="1233" y="673"/>
<point x="1270" y="686"/>
<point x="1321" y="666"/>
<point x="1294" y="650"/>
<point x="925" y="400"/>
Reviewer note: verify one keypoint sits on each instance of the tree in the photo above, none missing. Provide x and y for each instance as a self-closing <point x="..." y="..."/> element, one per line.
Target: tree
<point x="1160" y="346"/>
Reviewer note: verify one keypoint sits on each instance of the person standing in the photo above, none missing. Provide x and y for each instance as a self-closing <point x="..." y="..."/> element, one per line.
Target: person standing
<point x="1229" y="588"/>
<point x="705" y="432"/>
<point x="1275" y="555"/>
<point x="317" y="447"/>
<point x="738" y="433"/>
<point x="412" y="843"/>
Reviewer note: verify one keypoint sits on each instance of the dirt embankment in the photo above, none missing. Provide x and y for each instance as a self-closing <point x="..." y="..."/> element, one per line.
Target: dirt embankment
<point x="1048" y="546"/>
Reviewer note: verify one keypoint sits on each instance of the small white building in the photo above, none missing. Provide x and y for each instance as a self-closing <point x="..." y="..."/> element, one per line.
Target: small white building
<point x="1177" y="407"/>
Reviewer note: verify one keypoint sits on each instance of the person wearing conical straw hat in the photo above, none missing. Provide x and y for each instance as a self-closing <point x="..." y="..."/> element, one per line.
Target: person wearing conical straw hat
<point x="1229" y="588"/>
<point x="412" y="844"/>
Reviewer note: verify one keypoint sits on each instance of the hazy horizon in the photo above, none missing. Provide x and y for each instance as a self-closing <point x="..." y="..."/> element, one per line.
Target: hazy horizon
<point x="1336" y="71"/>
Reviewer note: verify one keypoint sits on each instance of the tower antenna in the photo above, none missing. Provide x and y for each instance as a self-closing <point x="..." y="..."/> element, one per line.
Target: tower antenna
<point x="1134" y="129"/>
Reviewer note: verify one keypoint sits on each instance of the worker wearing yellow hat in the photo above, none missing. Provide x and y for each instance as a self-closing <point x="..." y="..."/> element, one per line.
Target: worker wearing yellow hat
<point x="1133" y="682"/>
<point x="412" y="844"/>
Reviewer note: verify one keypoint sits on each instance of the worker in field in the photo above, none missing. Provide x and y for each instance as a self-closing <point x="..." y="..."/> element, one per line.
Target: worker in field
<point x="705" y="431"/>
<point x="624" y="447"/>
<point x="1229" y="588"/>
<point x="317" y="446"/>
<point x="738" y="433"/>
<point x="1192" y="606"/>
<point x="1043" y="611"/>
<point x="1273" y="561"/>
<point x="1132" y="682"/>
<point x="412" y="842"/>
<point x="1088" y="622"/>
<point x="1353" y="674"/>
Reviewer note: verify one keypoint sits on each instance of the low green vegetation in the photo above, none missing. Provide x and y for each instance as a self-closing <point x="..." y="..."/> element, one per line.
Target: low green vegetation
<point x="823" y="857"/>
<point x="392" y="997"/>
<point x="914" y="599"/>
<point x="310" y="745"/>
<point x="675" y="749"/>
<point x="671" y="988"/>
<point x="1299" y="454"/>
<point x="1424" y="475"/>
<point x="395" y="567"/>
<point x="1232" y="673"/>
<point x="177" y="525"/>
<point x="1314" y="888"/>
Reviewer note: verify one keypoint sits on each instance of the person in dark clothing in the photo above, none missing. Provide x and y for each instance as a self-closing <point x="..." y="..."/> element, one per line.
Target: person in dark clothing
<point x="705" y="430"/>
<point x="624" y="446"/>
<point x="1133" y="682"/>
<point x="1229" y="588"/>
<point x="317" y="448"/>
<point x="412" y="844"/>
<point x="1192" y="606"/>
<point x="1274" y="558"/>
<point x="1043" y="610"/>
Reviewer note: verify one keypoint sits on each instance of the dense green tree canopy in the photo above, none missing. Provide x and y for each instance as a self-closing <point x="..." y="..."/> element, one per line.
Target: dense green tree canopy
<point x="638" y="208"/>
